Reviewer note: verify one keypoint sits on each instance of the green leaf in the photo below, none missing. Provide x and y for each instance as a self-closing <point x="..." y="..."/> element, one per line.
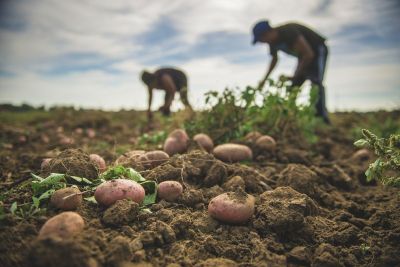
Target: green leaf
<point x="36" y="202"/>
<point x="81" y="180"/>
<point x="122" y="172"/>
<point x="90" y="199"/>
<point x="150" y="188"/>
<point x="13" y="208"/>
<point x="53" y="181"/>
<point x="361" y="143"/>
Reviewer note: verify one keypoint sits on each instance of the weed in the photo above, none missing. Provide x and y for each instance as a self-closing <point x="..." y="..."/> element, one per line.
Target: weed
<point x="386" y="168"/>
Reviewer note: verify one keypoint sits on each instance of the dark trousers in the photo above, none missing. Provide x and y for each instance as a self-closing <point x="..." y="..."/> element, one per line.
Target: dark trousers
<point x="315" y="73"/>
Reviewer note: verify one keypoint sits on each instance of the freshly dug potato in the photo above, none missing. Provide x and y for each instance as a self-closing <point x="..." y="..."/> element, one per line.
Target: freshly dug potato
<point x="63" y="225"/>
<point x="266" y="143"/>
<point x="45" y="163"/>
<point x="177" y="142"/>
<point x="109" y="192"/>
<point x="252" y="137"/>
<point x="69" y="198"/>
<point x="169" y="190"/>
<point x="232" y="207"/>
<point x="179" y="134"/>
<point x="204" y="141"/>
<point x="153" y="159"/>
<point x="99" y="162"/>
<point x="361" y="155"/>
<point x="233" y="152"/>
<point x="129" y="158"/>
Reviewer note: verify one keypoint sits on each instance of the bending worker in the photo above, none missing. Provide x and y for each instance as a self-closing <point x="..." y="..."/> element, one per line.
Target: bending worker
<point x="170" y="80"/>
<point x="305" y="44"/>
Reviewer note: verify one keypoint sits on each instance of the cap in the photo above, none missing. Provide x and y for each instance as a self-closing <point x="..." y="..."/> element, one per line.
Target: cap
<point x="259" y="29"/>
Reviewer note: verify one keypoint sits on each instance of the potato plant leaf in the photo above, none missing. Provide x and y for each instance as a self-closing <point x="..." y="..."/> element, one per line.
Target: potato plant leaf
<point x="150" y="188"/>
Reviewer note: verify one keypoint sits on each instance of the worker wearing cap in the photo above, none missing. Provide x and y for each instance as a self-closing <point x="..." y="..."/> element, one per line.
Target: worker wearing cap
<point x="170" y="80"/>
<point x="305" y="44"/>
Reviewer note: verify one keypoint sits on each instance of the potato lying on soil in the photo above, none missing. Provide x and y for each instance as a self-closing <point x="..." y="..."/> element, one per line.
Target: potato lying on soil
<point x="266" y="143"/>
<point x="45" y="163"/>
<point x="233" y="152"/>
<point x="63" y="225"/>
<point x="109" y="192"/>
<point x="204" y="141"/>
<point x="99" y="162"/>
<point x="252" y="137"/>
<point x="69" y="198"/>
<point x="153" y="159"/>
<point x="232" y="207"/>
<point x="177" y="142"/>
<point x="169" y="190"/>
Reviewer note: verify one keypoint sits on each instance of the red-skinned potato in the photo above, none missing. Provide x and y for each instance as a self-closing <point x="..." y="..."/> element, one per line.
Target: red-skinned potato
<point x="45" y="163"/>
<point x="64" y="225"/>
<point x="232" y="152"/>
<point x="153" y="159"/>
<point x="252" y="137"/>
<point x="179" y="134"/>
<point x="99" y="162"/>
<point x="128" y="157"/>
<point x="109" y="192"/>
<point x="169" y="190"/>
<point x="177" y="142"/>
<point x="204" y="141"/>
<point x="69" y="198"/>
<point x="266" y="143"/>
<point x="232" y="207"/>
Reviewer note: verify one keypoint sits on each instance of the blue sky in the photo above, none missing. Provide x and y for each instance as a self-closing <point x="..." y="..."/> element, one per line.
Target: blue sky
<point x="89" y="53"/>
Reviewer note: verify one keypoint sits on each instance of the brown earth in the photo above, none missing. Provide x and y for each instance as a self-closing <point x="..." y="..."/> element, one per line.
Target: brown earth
<point x="313" y="206"/>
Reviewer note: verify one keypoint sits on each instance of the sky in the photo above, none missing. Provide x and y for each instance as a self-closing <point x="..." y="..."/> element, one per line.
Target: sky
<point x="89" y="53"/>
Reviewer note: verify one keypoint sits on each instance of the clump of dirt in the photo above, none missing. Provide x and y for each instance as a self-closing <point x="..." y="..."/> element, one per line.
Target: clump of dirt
<point x="283" y="210"/>
<point x="59" y="253"/>
<point x="73" y="162"/>
<point x="300" y="178"/>
<point x="121" y="212"/>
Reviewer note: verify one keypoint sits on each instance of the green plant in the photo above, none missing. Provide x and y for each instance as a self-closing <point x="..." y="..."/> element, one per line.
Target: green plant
<point x="152" y="139"/>
<point x="386" y="168"/>
<point x="275" y="110"/>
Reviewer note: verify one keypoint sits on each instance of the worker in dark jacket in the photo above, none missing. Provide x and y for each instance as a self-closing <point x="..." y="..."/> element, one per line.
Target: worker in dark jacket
<point x="170" y="80"/>
<point x="305" y="44"/>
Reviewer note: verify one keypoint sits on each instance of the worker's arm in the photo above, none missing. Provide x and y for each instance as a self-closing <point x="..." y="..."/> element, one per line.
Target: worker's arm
<point x="272" y="65"/>
<point x="306" y="55"/>
<point x="170" y="89"/>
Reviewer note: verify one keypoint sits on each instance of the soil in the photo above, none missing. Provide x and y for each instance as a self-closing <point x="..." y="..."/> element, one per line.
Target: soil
<point x="313" y="205"/>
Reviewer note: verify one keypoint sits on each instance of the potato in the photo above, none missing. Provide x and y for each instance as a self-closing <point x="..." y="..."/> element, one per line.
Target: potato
<point x="251" y="137"/>
<point x="129" y="157"/>
<point x="233" y="152"/>
<point x="177" y="142"/>
<point x="45" y="163"/>
<point x="99" y="162"/>
<point x="69" y="198"/>
<point x="232" y="207"/>
<point x="266" y="143"/>
<point x="153" y="159"/>
<point x="173" y="146"/>
<point x="179" y="134"/>
<point x="361" y="155"/>
<point x="169" y="190"/>
<point x="204" y="141"/>
<point x="109" y="192"/>
<point x="63" y="225"/>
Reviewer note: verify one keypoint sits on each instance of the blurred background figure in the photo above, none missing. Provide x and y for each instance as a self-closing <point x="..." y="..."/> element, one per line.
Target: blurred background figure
<point x="170" y="80"/>
<point x="305" y="44"/>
